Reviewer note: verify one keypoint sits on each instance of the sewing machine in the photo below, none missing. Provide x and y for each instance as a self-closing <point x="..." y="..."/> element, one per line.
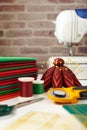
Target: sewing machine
<point x="70" y="27"/>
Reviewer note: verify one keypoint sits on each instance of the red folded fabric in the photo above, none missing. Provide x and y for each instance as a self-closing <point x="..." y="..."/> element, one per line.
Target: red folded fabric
<point x="15" y="72"/>
<point x="17" y="62"/>
<point x="6" y="65"/>
<point x="32" y="74"/>
<point x="9" y="96"/>
<point x="11" y="80"/>
<point x="7" y="82"/>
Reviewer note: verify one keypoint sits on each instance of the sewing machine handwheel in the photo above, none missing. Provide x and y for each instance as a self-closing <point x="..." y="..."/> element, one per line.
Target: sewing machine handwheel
<point x="59" y="93"/>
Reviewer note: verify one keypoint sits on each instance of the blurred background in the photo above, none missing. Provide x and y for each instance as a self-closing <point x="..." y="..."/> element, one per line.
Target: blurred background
<point x="26" y="29"/>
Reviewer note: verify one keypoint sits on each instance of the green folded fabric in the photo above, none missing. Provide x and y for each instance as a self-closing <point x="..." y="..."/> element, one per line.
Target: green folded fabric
<point x="76" y="109"/>
<point x="9" y="91"/>
<point x="10" y="85"/>
<point x="9" y="59"/>
<point x="79" y="111"/>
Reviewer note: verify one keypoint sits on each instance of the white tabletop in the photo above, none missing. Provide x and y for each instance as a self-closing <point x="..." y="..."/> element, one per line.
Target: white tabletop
<point x="45" y="105"/>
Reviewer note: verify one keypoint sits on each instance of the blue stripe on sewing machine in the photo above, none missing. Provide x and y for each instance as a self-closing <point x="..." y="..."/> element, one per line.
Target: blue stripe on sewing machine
<point x="81" y="13"/>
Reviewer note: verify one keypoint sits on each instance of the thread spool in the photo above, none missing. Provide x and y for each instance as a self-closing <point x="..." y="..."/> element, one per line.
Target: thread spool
<point x="38" y="86"/>
<point x="26" y="86"/>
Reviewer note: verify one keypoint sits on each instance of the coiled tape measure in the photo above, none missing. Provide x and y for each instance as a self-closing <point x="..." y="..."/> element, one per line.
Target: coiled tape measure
<point x="67" y="95"/>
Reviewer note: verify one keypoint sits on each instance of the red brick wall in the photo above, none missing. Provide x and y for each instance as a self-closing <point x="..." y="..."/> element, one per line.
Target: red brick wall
<point x="26" y="28"/>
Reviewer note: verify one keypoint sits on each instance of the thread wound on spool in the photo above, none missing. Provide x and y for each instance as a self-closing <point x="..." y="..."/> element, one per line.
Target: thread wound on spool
<point x="38" y="86"/>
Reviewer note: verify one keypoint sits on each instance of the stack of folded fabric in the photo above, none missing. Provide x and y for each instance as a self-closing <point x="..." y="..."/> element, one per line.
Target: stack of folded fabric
<point x="10" y="69"/>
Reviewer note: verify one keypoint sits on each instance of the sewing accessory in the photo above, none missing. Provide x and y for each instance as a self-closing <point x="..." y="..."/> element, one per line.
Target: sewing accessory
<point x="76" y="108"/>
<point x="67" y="95"/>
<point x="47" y="77"/>
<point x="26" y="86"/>
<point x="79" y="111"/>
<point x="38" y="87"/>
<point x="59" y="93"/>
<point x="59" y="75"/>
<point x="6" y="110"/>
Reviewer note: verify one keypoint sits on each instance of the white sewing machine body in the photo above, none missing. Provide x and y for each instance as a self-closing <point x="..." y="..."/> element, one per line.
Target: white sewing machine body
<point x="71" y="25"/>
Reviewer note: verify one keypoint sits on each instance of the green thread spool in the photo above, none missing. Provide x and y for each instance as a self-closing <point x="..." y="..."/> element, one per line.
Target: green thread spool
<point x="38" y="87"/>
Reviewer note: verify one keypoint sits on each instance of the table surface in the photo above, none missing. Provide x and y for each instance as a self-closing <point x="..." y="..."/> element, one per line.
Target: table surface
<point x="46" y="105"/>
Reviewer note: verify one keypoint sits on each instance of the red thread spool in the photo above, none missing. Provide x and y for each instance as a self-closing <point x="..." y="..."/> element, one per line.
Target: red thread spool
<point x="26" y="86"/>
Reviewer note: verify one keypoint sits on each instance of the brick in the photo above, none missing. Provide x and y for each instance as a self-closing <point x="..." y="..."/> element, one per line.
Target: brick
<point x="6" y="1"/>
<point x="46" y="33"/>
<point x="14" y="8"/>
<point x="85" y="35"/>
<point x="81" y="1"/>
<point x="32" y="1"/>
<point x="5" y="42"/>
<point x="42" y="42"/>
<point x="61" y="1"/>
<point x="41" y="8"/>
<point x="61" y="50"/>
<point x="33" y="50"/>
<point x="19" y="42"/>
<point x="1" y="33"/>
<point x="52" y="16"/>
<point x="7" y="25"/>
<point x="31" y="16"/>
<point x="41" y="58"/>
<point x="74" y="6"/>
<point x="18" y="33"/>
<point x="10" y="51"/>
<point x="83" y="41"/>
<point x="41" y="24"/>
<point x="80" y="6"/>
<point x="82" y="49"/>
<point x="66" y="7"/>
<point x="7" y="17"/>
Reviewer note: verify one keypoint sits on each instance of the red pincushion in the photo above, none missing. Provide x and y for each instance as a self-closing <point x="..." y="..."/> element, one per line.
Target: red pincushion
<point x="59" y="76"/>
